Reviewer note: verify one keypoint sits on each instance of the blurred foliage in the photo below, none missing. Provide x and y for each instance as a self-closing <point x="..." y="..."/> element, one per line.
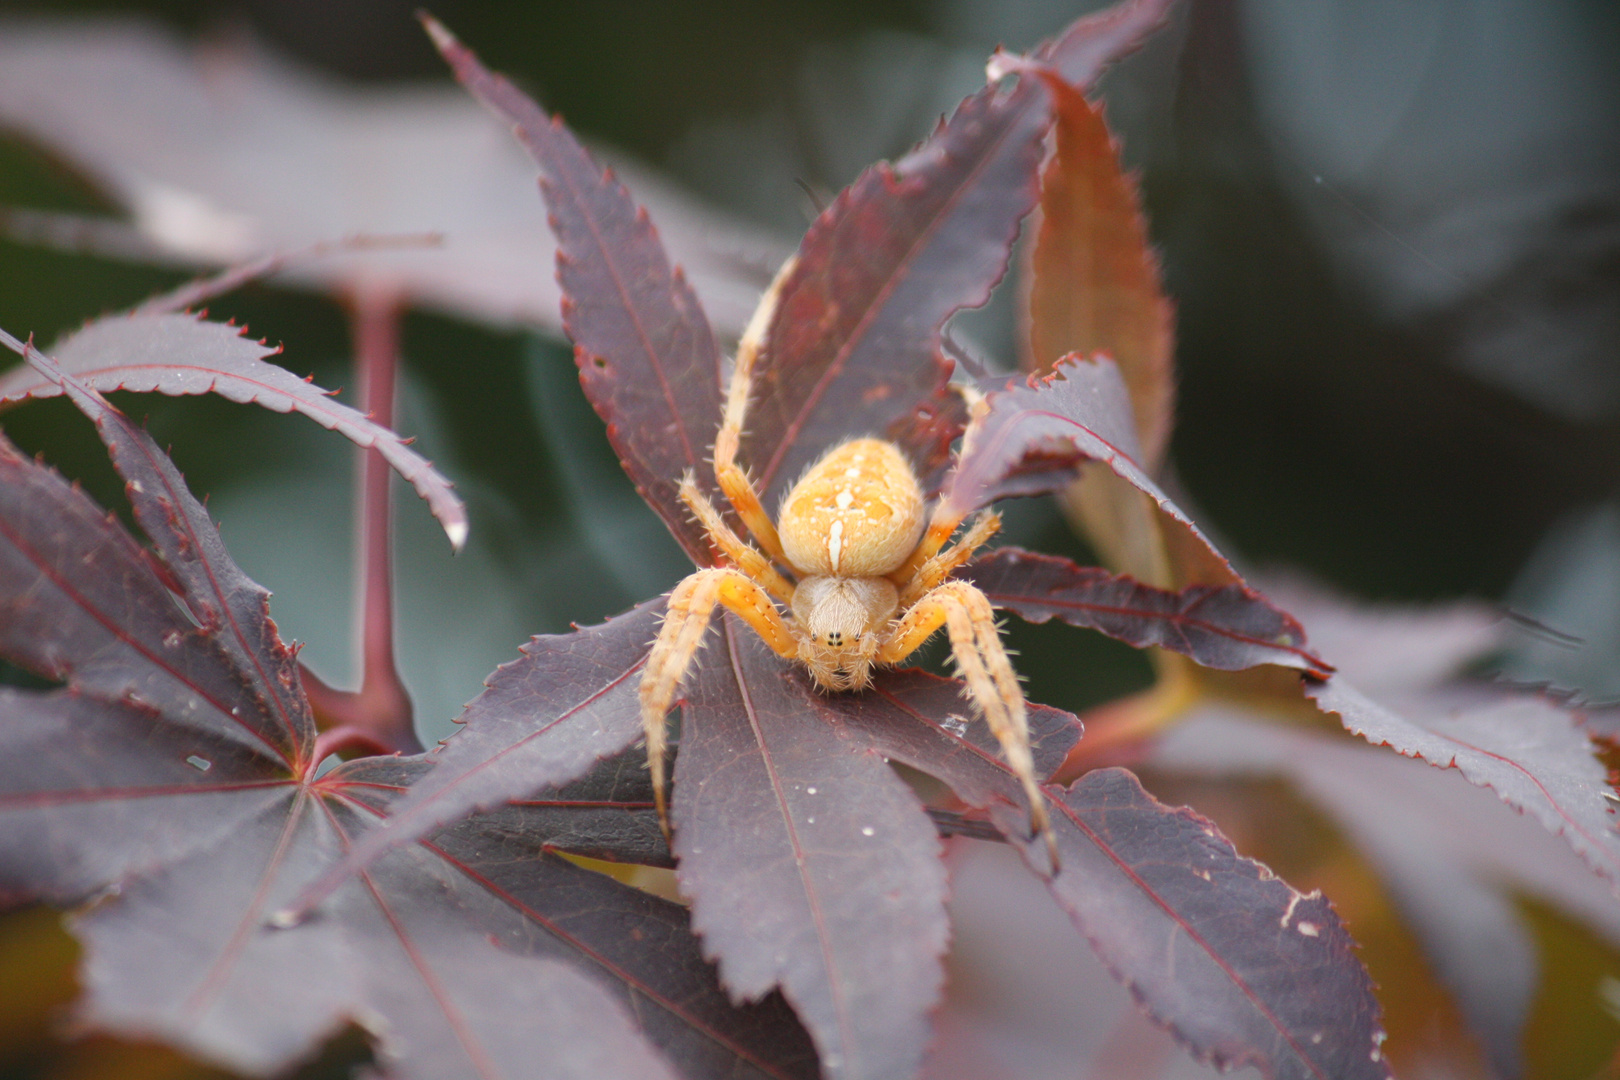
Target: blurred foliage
<point x="1574" y="1031"/>
<point x="37" y="1041"/>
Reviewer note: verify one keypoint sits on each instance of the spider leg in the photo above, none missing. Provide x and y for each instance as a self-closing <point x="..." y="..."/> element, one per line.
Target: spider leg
<point x="941" y="525"/>
<point x="933" y="573"/>
<point x="733" y="480"/>
<point x="981" y="660"/>
<point x="686" y="620"/>
<point x="743" y="556"/>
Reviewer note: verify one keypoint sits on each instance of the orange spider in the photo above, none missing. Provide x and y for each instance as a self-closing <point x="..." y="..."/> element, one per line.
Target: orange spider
<point x="868" y="586"/>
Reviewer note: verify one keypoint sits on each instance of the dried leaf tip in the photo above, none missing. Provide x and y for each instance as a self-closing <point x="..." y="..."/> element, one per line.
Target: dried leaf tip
<point x="1003" y="63"/>
<point x="457" y="532"/>
<point x="443" y="39"/>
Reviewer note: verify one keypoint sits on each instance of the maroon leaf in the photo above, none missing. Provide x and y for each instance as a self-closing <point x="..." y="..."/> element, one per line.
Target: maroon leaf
<point x="1459" y="868"/>
<point x="83" y="603"/>
<point x="1531" y="751"/>
<point x="111" y="780"/>
<point x="1534" y="751"/>
<point x="646" y="355"/>
<point x="542" y="720"/>
<point x="222" y="598"/>
<point x="646" y="945"/>
<point x="641" y="946"/>
<point x="1028" y="437"/>
<point x="1456" y="859"/>
<point x="78" y="761"/>
<point x="1093" y="287"/>
<point x="854" y="344"/>
<point x="1028" y="434"/>
<point x="409" y="942"/>
<point x="809" y="862"/>
<point x="855" y="930"/>
<point x="183" y="354"/>
<point x="853" y="347"/>
<point x="1089" y="46"/>
<point x="607" y="814"/>
<point x="179" y="764"/>
<point x="1094" y="282"/>
<point x="1241" y="968"/>
<point x="914" y="705"/>
<point x="1230" y="627"/>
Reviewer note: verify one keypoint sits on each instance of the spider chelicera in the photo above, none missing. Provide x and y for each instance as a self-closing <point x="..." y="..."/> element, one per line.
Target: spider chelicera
<point x="868" y="582"/>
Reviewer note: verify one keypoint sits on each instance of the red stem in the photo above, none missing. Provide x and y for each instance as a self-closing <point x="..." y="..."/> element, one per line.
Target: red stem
<point x="345" y="740"/>
<point x="376" y="318"/>
<point x="379" y="715"/>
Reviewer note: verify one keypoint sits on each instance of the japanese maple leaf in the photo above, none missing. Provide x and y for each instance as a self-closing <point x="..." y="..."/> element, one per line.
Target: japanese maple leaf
<point x="1442" y="849"/>
<point x="157" y="348"/>
<point x="175" y="774"/>
<point x="811" y="866"/>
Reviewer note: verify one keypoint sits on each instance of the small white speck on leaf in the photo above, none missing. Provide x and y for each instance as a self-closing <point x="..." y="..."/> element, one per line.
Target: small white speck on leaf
<point x="285" y="919"/>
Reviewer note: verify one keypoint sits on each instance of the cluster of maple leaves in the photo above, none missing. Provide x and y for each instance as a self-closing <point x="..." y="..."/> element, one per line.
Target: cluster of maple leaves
<point x="239" y="898"/>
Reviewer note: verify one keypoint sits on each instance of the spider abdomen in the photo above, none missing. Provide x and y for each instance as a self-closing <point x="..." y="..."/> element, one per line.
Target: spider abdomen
<point x="858" y="512"/>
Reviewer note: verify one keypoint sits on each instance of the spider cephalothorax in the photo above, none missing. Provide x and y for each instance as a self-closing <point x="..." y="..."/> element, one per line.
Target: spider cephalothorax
<point x="868" y="583"/>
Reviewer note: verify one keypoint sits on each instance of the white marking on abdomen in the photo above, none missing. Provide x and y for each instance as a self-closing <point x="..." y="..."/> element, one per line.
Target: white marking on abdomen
<point x="835" y="543"/>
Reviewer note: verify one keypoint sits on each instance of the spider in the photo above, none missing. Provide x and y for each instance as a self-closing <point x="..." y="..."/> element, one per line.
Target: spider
<point x="869" y="582"/>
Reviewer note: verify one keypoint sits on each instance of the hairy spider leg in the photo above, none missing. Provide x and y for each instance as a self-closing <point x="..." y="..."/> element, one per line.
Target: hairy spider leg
<point x="733" y="480"/>
<point x="941" y="525"/>
<point x="970" y="622"/>
<point x="686" y="620"/>
<point x="742" y="555"/>
<point x="934" y="572"/>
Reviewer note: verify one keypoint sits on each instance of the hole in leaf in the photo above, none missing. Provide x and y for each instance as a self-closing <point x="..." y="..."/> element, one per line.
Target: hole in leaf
<point x="201" y="764"/>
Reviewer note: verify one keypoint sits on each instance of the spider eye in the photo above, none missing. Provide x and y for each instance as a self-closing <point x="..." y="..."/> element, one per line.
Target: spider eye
<point x="836" y="638"/>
